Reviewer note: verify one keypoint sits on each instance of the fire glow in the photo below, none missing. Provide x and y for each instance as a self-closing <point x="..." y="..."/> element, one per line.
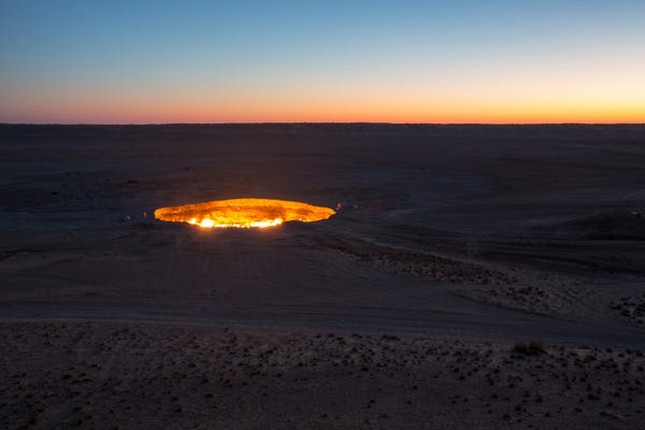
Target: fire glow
<point x="243" y="213"/>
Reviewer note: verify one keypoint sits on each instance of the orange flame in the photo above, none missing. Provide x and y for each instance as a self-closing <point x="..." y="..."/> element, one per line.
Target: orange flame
<point x="243" y="213"/>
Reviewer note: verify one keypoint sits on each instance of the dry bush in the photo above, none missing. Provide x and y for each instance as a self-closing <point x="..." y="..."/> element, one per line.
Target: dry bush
<point x="534" y="347"/>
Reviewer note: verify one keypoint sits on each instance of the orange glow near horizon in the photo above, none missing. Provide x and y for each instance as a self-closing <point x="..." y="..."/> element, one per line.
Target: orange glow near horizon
<point x="390" y="110"/>
<point x="243" y="213"/>
<point x="495" y="102"/>
<point x="448" y="115"/>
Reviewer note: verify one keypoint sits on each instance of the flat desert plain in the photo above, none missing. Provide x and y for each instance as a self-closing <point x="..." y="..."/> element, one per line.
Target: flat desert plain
<point x="472" y="277"/>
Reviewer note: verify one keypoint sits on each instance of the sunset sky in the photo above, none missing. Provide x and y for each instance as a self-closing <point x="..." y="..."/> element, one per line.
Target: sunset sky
<point x="456" y="61"/>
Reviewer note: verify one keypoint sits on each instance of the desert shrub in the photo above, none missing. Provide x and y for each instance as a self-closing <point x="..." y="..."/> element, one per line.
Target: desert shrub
<point x="534" y="347"/>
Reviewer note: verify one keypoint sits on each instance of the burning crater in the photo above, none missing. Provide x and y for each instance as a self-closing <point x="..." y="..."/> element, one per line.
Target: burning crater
<point x="243" y="213"/>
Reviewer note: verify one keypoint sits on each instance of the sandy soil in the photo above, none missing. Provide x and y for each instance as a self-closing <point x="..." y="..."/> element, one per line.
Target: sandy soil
<point x="452" y="243"/>
<point x="116" y="375"/>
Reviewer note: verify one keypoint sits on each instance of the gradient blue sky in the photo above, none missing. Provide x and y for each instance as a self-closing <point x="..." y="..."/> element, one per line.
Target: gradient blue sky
<point x="397" y="61"/>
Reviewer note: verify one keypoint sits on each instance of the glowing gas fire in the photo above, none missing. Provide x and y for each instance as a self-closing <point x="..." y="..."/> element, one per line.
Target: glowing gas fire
<point x="243" y="213"/>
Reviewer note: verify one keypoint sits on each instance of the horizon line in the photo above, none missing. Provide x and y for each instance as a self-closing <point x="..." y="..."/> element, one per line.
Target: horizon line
<point x="151" y="124"/>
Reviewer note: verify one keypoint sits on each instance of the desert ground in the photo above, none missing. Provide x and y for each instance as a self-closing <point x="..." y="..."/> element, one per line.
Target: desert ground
<point x="407" y="309"/>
